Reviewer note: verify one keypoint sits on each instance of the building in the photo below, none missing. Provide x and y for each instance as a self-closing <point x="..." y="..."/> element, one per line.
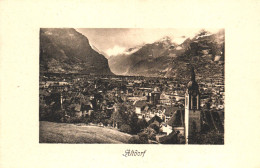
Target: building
<point x="174" y="120"/>
<point x="154" y="97"/>
<point x="192" y="108"/>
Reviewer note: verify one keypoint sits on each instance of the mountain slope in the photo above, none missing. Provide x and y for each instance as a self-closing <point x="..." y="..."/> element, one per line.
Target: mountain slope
<point x="144" y="60"/>
<point x="64" y="50"/>
<point x="205" y="52"/>
<point x="167" y="59"/>
<point x="51" y="132"/>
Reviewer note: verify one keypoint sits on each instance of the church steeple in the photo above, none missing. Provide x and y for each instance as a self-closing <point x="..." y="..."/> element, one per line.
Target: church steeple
<point x="192" y="107"/>
<point x="193" y="87"/>
<point x="192" y="74"/>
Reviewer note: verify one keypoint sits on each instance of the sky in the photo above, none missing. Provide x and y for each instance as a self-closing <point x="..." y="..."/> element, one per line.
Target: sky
<point x="113" y="41"/>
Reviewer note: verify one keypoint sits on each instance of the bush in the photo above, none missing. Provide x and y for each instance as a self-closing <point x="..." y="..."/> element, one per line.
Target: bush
<point x="141" y="138"/>
<point x="55" y="116"/>
<point x="151" y="133"/>
<point x="134" y="140"/>
<point x="172" y="138"/>
<point x="209" y="138"/>
<point x="85" y="120"/>
<point x="155" y="127"/>
<point x="125" y="128"/>
<point x="75" y="120"/>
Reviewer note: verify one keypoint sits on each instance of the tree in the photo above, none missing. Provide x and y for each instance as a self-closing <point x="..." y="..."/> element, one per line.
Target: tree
<point x="133" y="123"/>
<point x="142" y="123"/>
<point x="99" y="116"/>
<point x="117" y="118"/>
<point x="56" y="116"/>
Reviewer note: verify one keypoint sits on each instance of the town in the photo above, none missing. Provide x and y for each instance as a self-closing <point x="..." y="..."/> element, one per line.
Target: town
<point x="149" y="108"/>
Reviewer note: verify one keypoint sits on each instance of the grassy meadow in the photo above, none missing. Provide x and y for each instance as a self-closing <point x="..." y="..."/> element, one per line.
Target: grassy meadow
<point x="51" y="132"/>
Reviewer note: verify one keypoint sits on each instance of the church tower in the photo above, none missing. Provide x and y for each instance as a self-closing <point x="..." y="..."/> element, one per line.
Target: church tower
<point x="192" y="108"/>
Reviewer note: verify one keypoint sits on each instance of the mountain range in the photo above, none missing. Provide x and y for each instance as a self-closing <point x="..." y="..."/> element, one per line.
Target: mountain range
<point x="164" y="58"/>
<point x="64" y="50"/>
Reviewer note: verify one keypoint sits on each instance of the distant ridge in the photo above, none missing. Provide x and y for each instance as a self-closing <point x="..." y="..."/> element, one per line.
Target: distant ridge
<point x="64" y="50"/>
<point x="164" y="58"/>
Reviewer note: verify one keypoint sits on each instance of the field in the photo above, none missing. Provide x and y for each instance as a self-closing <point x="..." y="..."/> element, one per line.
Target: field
<point x="51" y="132"/>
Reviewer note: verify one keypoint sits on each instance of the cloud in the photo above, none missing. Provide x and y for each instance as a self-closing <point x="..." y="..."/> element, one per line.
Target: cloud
<point x="115" y="50"/>
<point x="179" y="40"/>
<point x="113" y="41"/>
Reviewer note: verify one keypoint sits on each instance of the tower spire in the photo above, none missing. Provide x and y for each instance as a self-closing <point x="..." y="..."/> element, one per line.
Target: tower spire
<point x="192" y="74"/>
<point x="192" y="108"/>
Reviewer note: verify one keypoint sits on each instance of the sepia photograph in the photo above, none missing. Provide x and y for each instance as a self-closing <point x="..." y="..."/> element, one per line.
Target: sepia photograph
<point x="142" y="83"/>
<point x="132" y="86"/>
